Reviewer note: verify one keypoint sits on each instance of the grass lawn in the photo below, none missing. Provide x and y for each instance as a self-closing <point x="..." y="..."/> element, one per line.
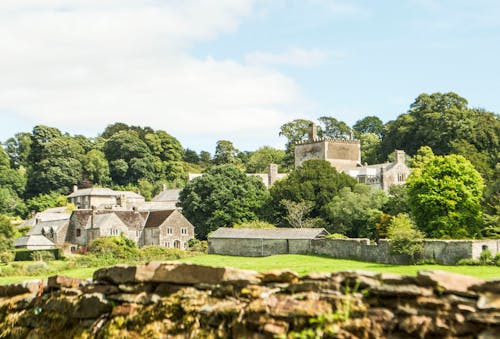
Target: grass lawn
<point x="303" y="264"/>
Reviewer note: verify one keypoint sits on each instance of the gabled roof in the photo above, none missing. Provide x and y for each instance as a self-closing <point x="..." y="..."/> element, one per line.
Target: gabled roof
<point x="167" y="195"/>
<point x="268" y="233"/>
<point x="32" y="240"/>
<point x="157" y="205"/>
<point x="156" y="218"/>
<point x="47" y="226"/>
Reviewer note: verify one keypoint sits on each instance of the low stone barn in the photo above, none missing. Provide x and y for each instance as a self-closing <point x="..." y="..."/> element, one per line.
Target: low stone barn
<point x="253" y="242"/>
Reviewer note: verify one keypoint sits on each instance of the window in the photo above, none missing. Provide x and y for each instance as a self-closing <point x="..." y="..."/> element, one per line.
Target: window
<point x="169" y="230"/>
<point x="78" y="232"/>
<point x="184" y="230"/>
<point x="167" y="244"/>
<point x="177" y="244"/>
<point x="401" y="177"/>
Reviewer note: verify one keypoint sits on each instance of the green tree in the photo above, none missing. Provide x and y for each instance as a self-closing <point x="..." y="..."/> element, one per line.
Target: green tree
<point x="333" y="128"/>
<point x="294" y="131"/>
<point x="369" y="124"/>
<point x="44" y="201"/>
<point x="18" y="148"/>
<point x="164" y="146"/>
<point x="370" y="148"/>
<point x="297" y="214"/>
<point x="405" y="238"/>
<point x="96" y="167"/>
<point x="355" y="212"/>
<point x="222" y="197"/>
<point x="444" y="197"/>
<point x="314" y="180"/>
<point x="225" y="153"/>
<point x="191" y="156"/>
<point x="258" y="161"/>
<point x="7" y="233"/>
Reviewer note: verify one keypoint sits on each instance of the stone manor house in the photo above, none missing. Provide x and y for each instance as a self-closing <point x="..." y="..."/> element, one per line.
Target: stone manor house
<point x="103" y="212"/>
<point x="345" y="156"/>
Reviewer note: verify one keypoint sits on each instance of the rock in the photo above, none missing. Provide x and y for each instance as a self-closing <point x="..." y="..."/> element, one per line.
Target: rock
<point x="125" y="310"/>
<point x="432" y="303"/>
<point x="279" y="276"/>
<point x="492" y="286"/>
<point x="104" y="289"/>
<point x="396" y="279"/>
<point x="491" y="333"/>
<point x="276" y="328"/>
<point x="401" y="291"/>
<point x="125" y="274"/>
<point x="191" y="274"/>
<point x="92" y="306"/>
<point x="58" y="281"/>
<point x="142" y="298"/>
<point x="381" y="316"/>
<point x="449" y="282"/>
<point x="32" y="286"/>
<point x="489" y="301"/>
<point x="317" y="276"/>
<point x="416" y="325"/>
<point x="483" y="317"/>
<point x="288" y="306"/>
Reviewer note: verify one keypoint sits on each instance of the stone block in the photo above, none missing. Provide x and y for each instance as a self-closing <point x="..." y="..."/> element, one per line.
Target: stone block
<point x="447" y="281"/>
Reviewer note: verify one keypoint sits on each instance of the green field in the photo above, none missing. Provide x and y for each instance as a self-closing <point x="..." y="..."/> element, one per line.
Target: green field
<point x="301" y="264"/>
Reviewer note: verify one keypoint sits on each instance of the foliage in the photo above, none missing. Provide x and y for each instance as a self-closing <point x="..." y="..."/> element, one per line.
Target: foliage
<point x="225" y="153"/>
<point x="116" y="247"/>
<point x="333" y="128"/>
<point x="27" y="255"/>
<point x="369" y="124"/>
<point x="370" y="148"/>
<point x="314" y="180"/>
<point x="336" y="236"/>
<point x="42" y="256"/>
<point x="96" y="167"/>
<point x="196" y="245"/>
<point x="44" y="201"/>
<point x="294" y="131"/>
<point x="355" y="211"/>
<point x="405" y="238"/>
<point x="223" y="196"/>
<point x="444" y="197"/>
<point x="258" y="161"/>
<point x="254" y="224"/>
<point x="297" y="212"/>
<point x="486" y="257"/>
<point x="6" y="257"/>
<point x="397" y="200"/>
<point x="7" y="233"/>
<point x="151" y="253"/>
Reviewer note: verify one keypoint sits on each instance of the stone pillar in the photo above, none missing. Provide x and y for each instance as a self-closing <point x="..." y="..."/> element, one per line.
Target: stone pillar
<point x="273" y="174"/>
<point x="312" y="132"/>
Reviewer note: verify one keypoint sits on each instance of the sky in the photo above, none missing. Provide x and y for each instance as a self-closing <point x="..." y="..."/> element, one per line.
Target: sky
<point x="237" y="70"/>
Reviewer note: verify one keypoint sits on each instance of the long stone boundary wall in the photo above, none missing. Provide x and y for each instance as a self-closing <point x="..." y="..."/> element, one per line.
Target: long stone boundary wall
<point x="173" y="300"/>
<point x="446" y="252"/>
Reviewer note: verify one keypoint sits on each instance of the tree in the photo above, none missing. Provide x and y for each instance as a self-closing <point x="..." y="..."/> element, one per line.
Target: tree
<point x="222" y="197"/>
<point x="334" y="128"/>
<point x="405" y="238"/>
<point x="191" y="156"/>
<point x="355" y="211"/>
<point x="294" y="131"/>
<point x="164" y="146"/>
<point x="370" y="148"/>
<point x="314" y="180"/>
<point x="7" y="233"/>
<point x="444" y="197"/>
<point x="225" y="153"/>
<point x="96" y="167"/>
<point x="18" y="148"/>
<point x="258" y="161"/>
<point x="297" y="212"/>
<point x="369" y="124"/>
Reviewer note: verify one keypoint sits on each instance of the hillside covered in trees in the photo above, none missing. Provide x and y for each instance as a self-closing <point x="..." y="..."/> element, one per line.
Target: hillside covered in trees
<point x="450" y="145"/>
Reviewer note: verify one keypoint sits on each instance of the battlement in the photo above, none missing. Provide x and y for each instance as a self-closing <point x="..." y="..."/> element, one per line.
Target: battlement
<point x="340" y="141"/>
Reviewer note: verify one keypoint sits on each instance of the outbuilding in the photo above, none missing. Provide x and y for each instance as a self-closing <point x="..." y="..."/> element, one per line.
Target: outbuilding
<point x="255" y="242"/>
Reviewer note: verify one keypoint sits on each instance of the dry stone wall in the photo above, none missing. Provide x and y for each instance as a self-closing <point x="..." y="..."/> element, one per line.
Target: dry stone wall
<point x="172" y="300"/>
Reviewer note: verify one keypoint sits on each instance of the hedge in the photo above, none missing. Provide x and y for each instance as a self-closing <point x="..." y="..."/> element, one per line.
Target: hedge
<point x="25" y="255"/>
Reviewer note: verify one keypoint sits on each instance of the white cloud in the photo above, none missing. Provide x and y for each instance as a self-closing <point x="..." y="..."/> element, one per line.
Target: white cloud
<point x="293" y="57"/>
<point x="339" y="7"/>
<point x="82" y="64"/>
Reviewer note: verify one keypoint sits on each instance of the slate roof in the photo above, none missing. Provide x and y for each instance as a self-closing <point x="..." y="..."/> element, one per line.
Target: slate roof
<point x="94" y="191"/>
<point x="167" y="195"/>
<point x="156" y="218"/>
<point x="269" y="233"/>
<point x="32" y="240"/>
<point x="46" y="226"/>
<point x="157" y="205"/>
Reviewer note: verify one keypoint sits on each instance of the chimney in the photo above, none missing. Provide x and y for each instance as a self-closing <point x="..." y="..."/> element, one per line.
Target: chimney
<point x="75" y="188"/>
<point x="312" y="132"/>
<point x="164" y="187"/>
<point x="37" y="220"/>
<point x="400" y="157"/>
<point x="92" y="217"/>
<point x="273" y="174"/>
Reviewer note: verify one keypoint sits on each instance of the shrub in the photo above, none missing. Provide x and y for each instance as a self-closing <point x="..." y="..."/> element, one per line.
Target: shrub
<point x="405" y="238"/>
<point x="254" y="224"/>
<point x="36" y="268"/>
<point x="468" y="262"/>
<point x="42" y="256"/>
<point x="336" y="236"/>
<point x="196" y="245"/>
<point x="149" y="253"/>
<point x="486" y="257"/>
<point x="496" y="260"/>
<point x="114" y="247"/>
<point x="27" y="255"/>
<point x="6" y="257"/>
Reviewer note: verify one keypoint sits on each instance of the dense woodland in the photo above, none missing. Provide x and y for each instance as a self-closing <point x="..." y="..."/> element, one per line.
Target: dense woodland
<point x="453" y="192"/>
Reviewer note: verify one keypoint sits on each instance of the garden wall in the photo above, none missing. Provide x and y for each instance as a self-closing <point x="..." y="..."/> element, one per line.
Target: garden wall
<point x="446" y="252"/>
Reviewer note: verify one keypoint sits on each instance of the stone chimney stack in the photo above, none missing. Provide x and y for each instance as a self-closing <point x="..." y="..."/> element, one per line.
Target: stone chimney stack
<point x="92" y="216"/>
<point x="75" y="188"/>
<point x="400" y="157"/>
<point x="273" y="174"/>
<point x="313" y="131"/>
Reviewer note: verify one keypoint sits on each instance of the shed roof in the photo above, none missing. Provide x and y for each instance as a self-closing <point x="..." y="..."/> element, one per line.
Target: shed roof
<point x="32" y="240"/>
<point x="268" y="233"/>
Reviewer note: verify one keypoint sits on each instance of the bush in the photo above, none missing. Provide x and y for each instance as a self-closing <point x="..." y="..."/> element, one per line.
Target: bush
<point x="149" y="253"/>
<point x="37" y="268"/>
<point x="405" y="238"/>
<point x="6" y="257"/>
<point x="336" y="236"/>
<point x="496" y="260"/>
<point x="196" y="245"/>
<point x="42" y="256"/>
<point x="254" y="224"/>
<point x="468" y="262"/>
<point x="114" y="247"/>
<point x="27" y="255"/>
<point x="486" y="257"/>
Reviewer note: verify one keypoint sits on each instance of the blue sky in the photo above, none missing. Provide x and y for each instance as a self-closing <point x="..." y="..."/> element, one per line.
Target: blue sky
<point x="237" y="69"/>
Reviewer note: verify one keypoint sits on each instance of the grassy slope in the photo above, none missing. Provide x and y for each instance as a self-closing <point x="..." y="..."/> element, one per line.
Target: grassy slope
<point x="302" y="264"/>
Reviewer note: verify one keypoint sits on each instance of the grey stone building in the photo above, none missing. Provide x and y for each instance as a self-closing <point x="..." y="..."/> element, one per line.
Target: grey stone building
<point x="167" y="228"/>
<point x="104" y="198"/>
<point x="255" y="242"/>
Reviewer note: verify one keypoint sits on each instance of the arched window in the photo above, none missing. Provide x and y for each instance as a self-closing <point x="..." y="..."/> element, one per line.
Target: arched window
<point x="177" y="244"/>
